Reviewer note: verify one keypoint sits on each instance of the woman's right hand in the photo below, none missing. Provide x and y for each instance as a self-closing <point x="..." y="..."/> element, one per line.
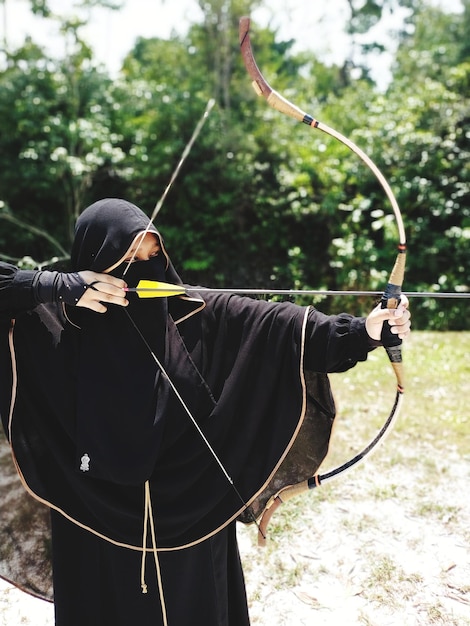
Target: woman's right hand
<point x="102" y="289"/>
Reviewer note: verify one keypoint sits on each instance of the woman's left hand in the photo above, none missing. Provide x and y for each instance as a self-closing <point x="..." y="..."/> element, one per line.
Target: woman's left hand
<point x="398" y="319"/>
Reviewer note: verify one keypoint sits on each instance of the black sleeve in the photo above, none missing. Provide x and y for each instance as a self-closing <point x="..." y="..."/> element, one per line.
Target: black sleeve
<point x="23" y="290"/>
<point x="335" y="343"/>
<point x="16" y="289"/>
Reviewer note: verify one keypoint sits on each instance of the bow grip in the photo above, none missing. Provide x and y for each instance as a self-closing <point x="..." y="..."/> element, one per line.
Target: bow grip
<point x="390" y="300"/>
<point x="392" y="297"/>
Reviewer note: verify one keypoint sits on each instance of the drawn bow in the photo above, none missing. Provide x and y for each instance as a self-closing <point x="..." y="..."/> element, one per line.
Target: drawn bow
<point x="390" y="298"/>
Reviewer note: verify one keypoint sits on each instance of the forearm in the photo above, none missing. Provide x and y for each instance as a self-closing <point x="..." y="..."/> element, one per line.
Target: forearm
<point x="23" y="290"/>
<point x="335" y="343"/>
<point x="16" y="289"/>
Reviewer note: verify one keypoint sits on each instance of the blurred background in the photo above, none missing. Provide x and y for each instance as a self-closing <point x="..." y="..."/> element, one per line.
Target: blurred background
<point x="99" y="98"/>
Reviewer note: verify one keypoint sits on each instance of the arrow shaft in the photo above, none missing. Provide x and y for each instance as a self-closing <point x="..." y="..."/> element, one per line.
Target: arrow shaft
<point x="291" y="292"/>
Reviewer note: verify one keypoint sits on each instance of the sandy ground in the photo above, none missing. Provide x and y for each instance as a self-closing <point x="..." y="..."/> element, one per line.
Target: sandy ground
<point x="379" y="551"/>
<point x="388" y="545"/>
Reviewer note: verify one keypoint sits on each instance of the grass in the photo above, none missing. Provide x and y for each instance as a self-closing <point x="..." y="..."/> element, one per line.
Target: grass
<point x="388" y="542"/>
<point x="437" y="388"/>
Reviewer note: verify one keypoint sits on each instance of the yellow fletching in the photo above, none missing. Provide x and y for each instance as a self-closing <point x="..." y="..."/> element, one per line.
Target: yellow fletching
<point x="155" y="289"/>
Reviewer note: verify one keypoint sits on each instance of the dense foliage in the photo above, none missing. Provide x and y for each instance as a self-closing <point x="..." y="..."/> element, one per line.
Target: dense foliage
<point x="261" y="201"/>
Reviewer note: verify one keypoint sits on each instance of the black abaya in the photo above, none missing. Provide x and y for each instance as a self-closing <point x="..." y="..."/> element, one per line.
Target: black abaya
<point x="97" y="583"/>
<point x="91" y="419"/>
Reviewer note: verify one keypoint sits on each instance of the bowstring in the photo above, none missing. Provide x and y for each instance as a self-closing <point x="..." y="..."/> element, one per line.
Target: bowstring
<point x="158" y="206"/>
<point x="195" y="424"/>
<point x="176" y="171"/>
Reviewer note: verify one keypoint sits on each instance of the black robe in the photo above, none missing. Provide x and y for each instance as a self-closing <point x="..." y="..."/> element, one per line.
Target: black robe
<point x="92" y="418"/>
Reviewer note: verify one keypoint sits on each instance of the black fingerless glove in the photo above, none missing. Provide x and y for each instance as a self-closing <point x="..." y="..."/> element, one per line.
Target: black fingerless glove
<point x="58" y="287"/>
<point x="387" y="338"/>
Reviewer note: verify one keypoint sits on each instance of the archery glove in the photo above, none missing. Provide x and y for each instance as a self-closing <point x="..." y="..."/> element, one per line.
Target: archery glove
<point x="58" y="287"/>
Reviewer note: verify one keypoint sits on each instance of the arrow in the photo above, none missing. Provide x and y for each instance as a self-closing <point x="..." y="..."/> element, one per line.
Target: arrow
<point x="156" y="289"/>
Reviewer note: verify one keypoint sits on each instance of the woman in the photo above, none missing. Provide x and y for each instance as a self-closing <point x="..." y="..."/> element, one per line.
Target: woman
<point x="148" y="425"/>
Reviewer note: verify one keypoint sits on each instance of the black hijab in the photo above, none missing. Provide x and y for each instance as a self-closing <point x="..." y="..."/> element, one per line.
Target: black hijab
<point x="104" y="233"/>
<point x="119" y="421"/>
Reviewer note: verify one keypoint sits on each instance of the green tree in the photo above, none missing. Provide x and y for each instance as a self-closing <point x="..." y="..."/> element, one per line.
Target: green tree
<point x="416" y="134"/>
<point x="433" y="70"/>
<point x="57" y="141"/>
<point x="261" y="200"/>
<point x="228" y="206"/>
